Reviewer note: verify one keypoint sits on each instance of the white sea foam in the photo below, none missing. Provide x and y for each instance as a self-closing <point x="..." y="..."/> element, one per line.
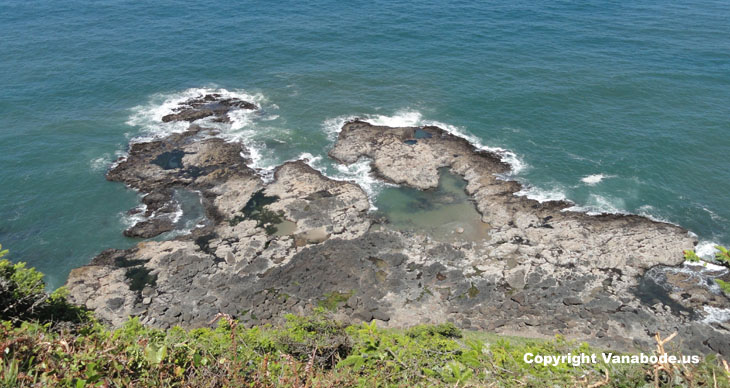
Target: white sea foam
<point x="541" y="195"/>
<point x="706" y="266"/>
<point x="313" y="161"/>
<point x="716" y="315"/>
<point x="129" y="219"/>
<point x="651" y="213"/>
<point x="598" y="204"/>
<point x="177" y="214"/>
<point x="706" y="249"/>
<point x="412" y="118"/>
<point x="402" y="118"/>
<point x="702" y="273"/>
<point x="242" y="126"/>
<point x="333" y="126"/>
<point x="101" y="163"/>
<point x="358" y="172"/>
<point x="106" y="161"/>
<point x="149" y="116"/>
<point x="594" y="179"/>
<point x="714" y="216"/>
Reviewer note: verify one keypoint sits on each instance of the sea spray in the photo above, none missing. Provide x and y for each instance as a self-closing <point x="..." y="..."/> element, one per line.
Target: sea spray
<point x="241" y="125"/>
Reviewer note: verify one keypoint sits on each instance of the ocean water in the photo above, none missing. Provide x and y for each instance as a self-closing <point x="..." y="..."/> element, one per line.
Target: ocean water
<point x="617" y="106"/>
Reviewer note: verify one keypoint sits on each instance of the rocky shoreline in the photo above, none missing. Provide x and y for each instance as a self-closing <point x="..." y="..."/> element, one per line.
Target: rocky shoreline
<point x="303" y="240"/>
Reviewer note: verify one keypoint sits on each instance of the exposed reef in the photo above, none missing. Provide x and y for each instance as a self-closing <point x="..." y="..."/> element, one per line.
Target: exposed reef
<point x="304" y="240"/>
<point x="208" y="105"/>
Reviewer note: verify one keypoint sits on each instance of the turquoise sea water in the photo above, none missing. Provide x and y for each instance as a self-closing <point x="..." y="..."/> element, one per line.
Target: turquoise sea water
<point x="636" y="93"/>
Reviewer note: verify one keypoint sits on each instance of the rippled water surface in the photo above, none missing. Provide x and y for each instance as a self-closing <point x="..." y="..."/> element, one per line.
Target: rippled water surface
<point x="618" y="106"/>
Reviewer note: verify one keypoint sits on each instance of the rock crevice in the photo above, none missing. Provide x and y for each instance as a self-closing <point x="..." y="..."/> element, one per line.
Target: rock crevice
<point x="304" y="240"/>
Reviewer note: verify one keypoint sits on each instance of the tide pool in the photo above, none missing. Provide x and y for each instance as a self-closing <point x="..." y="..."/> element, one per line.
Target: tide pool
<point x="619" y="107"/>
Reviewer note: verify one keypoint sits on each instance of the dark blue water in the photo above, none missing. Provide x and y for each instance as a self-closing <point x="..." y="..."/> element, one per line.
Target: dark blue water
<point x="618" y="106"/>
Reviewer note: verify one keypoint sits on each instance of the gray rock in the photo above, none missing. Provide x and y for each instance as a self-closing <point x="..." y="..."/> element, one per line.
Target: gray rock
<point x="528" y="276"/>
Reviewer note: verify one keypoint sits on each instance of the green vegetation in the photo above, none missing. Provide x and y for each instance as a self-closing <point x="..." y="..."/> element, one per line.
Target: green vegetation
<point x="313" y="351"/>
<point x="722" y="256"/>
<point x="724" y="286"/>
<point x="331" y="300"/>
<point x="23" y="297"/>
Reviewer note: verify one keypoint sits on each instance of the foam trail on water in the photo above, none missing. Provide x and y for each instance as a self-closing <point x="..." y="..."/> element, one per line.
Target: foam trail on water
<point x="101" y="163"/>
<point x="360" y="172"/>
<point x="402" y="118"/>
<point x="177" y="214"/>
<point x="650" y="212"/>
<point x="313" y="161"/>
<point x="129" y="219"/>
<point x="592" y="180"/>
<point x="333" y="126"/>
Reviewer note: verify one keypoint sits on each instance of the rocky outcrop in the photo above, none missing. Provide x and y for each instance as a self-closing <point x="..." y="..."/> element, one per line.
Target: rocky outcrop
<point x="304" y="240"/>
<point x="205" y="106"/>
<point x="520" y="226"/>
<point x="254" y="226"/>
<point x="547" y="265"/>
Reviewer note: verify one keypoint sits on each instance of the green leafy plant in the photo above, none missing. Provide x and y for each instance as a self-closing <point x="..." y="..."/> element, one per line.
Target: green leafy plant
<point x="23" y="296"/>
<point x="305" y="351"/>
<point x="690" y="255"/>
<point x="722" y="256"/>
<point x="724" y="286"/>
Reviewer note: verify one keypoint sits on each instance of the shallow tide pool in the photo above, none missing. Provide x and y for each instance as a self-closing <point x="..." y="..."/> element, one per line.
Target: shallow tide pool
<point x="445" y="213"/>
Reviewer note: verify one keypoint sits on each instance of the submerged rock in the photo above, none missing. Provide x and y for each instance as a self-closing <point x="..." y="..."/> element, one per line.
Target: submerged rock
<point x="542" y="271"/>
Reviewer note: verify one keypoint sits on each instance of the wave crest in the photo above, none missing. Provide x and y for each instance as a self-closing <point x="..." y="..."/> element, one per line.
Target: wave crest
<point x="413" y="118"/>
<point x="242" y="125"/>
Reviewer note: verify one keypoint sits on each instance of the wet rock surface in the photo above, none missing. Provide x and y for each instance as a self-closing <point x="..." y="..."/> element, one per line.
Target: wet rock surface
<point x="205" y="106"/>
<point x="543" y="271"/>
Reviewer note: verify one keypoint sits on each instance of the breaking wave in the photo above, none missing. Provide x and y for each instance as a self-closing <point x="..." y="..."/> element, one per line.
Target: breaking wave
<point x="411" y="118"/>
<point x="358" y="172"/>
<point x="598" y="204"/>
<point x="541" y="195"/>
<point x="243" y="125"/>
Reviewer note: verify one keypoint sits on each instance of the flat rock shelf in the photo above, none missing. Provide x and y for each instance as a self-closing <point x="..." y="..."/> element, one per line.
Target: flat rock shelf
<point x="302" y="240"/>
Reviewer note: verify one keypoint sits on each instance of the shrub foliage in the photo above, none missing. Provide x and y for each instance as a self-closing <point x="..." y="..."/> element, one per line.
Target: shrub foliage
<point x="312" y="351"/>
